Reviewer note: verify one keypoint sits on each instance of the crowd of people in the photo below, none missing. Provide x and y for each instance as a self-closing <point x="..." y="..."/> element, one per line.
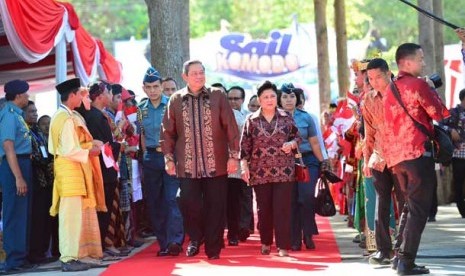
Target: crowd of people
<point x="104" y="172"/>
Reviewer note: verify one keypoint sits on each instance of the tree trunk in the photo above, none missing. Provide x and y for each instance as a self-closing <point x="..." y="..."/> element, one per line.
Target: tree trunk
<point x="322" y="53"/>
<point x="426" y="36"/>
<point x="439" y="46"/>
<point x="169" y="36"/>
<point x="341" y="47"/>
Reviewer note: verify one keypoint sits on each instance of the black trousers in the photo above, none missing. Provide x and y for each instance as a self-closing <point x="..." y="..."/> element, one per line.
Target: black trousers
<point x="203" y="203"/>
<point x="416" y="178"/>
<point x="274" y="212"/>
<point x="44" y="228"/>
<point x="384" y="183"/>
<point x="104" y="217"/>
<point x="246" y="217"/>
<point x="433" y="210"/>
<point x="233" y="208"/>
<point x="458" y="171"/>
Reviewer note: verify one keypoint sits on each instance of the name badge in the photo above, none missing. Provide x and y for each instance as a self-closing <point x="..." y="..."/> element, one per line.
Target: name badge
<point x="43" y="151"/>
<point x="145" y="113"/>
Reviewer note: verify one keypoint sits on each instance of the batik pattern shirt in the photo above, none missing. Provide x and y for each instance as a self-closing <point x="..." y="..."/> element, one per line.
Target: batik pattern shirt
<point x="457" y="121"/>
<point x="402" y="139"/>
<point x="261" y="144"/>
<point x="42" y="162"/>
<point x="200" y="133"/>
<point x="373" y="115"/>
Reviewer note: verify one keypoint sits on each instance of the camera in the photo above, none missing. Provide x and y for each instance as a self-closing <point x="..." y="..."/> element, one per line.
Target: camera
<point x="436" y="79"/>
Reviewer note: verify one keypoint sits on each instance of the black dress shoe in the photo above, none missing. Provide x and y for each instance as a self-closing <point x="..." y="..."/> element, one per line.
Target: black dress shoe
<point x="395" y="263"/>
<point x="192" y="249"/>
<point x="379" y="258"/>
<point x="244" y="233"/>
<point x="296" y="248"/>
<point x="163" y="253"/>
<point x="214" y="257"/>
<point x="136" y="243"/>
<point x="147" y="234"/>
<point x="309" y="244"/>
<point x="415" y="270"/>
<point x="74" y="265"/>
<point x="233" y="242"/>
<point x="27" y="266"/>
<point x="125" y="251"/>
<point x="404" y="268"/>
<point x="174" y="249"/>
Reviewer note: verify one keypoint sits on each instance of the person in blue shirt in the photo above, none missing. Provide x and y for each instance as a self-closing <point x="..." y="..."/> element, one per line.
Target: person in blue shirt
<point x="160" y="188"/>
<point x="16" y="176"/>
<point x="303" y="224"/>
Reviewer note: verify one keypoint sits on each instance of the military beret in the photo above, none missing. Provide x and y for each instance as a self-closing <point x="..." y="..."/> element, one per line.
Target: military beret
<point x="290" y="88"/>
<point x="286" y="87"/>
<point x="16" y="87"/>
<point x="151" y="75"/>
<point x="68" y="86"/>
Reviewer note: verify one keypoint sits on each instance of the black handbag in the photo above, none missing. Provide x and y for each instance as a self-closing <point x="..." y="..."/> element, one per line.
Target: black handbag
<point x="324" y="204"/>
<point x="439" y="144"/>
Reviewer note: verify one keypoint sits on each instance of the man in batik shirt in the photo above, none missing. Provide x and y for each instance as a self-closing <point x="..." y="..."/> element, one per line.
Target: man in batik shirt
<point x="405" y="150"/>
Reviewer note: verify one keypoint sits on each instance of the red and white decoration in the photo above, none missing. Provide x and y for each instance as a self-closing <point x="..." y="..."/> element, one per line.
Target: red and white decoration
<point x="29" y="32"/>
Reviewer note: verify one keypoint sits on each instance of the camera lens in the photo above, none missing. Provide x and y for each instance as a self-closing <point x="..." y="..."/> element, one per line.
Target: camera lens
<point x="436" y="79"/>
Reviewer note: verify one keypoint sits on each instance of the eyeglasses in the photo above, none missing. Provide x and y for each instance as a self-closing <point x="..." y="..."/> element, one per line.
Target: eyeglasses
<point x="234" y="98"/>
<point x="254" y="105"/>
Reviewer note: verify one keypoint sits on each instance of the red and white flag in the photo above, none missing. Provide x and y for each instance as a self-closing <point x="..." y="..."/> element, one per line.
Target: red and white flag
<point x="108" y="158"/>
<point x="343" y="118"/>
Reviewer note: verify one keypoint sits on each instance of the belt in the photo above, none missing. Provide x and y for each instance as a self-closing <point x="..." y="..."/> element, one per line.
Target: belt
<point x="153" y="149"/>
<point x="307" y="153"/>
<point x="427" y="154"/>
<point x="25" y="155"/>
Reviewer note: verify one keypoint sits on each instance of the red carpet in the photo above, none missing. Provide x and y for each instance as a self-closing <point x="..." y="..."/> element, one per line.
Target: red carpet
<point x="244" y="259"/>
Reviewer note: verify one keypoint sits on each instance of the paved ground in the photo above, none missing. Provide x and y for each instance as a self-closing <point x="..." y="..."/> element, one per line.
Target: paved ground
<point x="442" y="250"/>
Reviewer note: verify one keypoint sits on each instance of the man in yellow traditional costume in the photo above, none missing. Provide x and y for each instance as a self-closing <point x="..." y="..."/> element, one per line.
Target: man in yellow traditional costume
<point x="76" y="187"/>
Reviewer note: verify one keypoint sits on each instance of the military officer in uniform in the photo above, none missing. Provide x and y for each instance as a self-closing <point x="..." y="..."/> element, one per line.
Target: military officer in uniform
<point x="16" y="174"/>
<point x="160" y="189"/>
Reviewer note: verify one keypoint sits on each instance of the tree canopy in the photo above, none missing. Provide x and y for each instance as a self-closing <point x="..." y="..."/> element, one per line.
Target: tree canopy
<point x="396" y="22"/>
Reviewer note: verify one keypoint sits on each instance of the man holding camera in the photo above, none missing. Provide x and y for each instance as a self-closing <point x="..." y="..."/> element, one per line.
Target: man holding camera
<point x="405" y="152"/>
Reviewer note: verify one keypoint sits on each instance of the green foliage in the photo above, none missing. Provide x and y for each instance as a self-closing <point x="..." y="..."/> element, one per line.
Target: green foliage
<point x="396" y="21"/>
<point x="205" y="16"/>
<point x="258" y="17"/>
<point x="121" y="19"/>
<point x="453" y="13"/>
<point x="113" y="20"/>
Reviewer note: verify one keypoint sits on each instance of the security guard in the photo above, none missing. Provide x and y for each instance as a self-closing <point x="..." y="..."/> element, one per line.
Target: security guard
<point x="160" y="188"/>
<point x="16" y="172"/>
